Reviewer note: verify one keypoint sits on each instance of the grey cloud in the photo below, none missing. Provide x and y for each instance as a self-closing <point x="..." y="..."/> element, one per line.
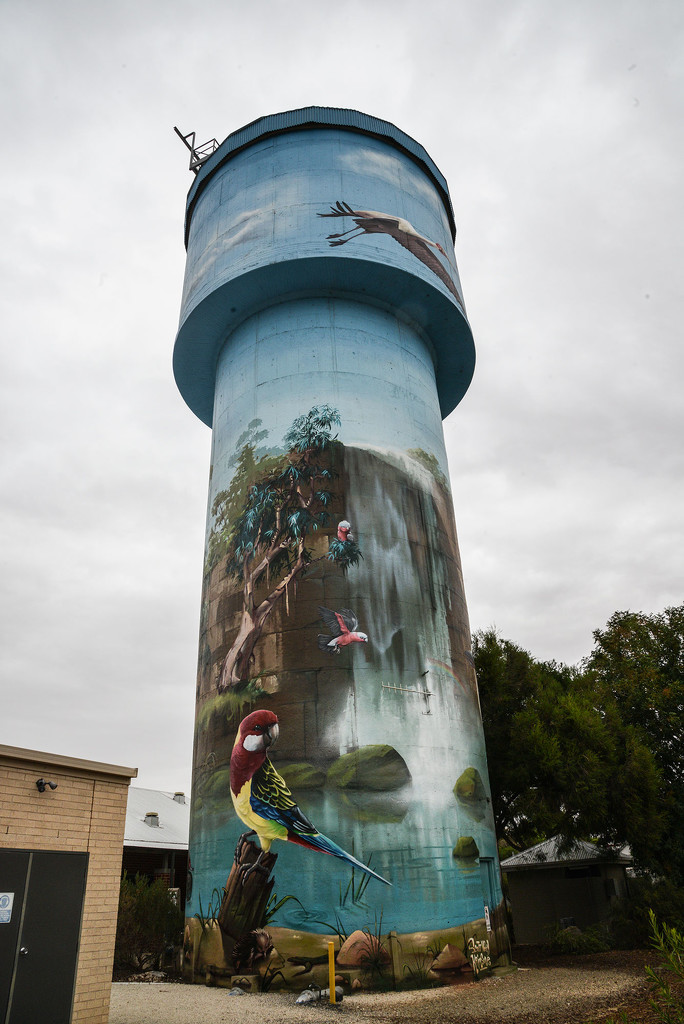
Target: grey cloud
<point x="565" y="455"/>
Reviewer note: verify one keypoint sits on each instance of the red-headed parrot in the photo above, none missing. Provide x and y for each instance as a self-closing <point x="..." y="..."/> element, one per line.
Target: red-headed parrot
<point x="263" y="801"/>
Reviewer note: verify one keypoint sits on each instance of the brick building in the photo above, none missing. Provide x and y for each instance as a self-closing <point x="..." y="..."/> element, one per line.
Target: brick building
<point x="61" y="841"/>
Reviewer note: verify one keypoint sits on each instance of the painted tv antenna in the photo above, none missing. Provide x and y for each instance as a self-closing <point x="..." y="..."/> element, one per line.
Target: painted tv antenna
<point x="421" y="693"/>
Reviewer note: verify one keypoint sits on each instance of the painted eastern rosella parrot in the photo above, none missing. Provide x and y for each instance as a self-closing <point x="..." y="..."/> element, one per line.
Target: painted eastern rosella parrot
<point x="344" y="628"/>
<point x="263" y="801"/>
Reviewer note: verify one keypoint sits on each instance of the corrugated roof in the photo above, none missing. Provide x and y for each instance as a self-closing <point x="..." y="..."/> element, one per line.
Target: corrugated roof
<point x="174" y="820"/>
<point x="549" y="853"/>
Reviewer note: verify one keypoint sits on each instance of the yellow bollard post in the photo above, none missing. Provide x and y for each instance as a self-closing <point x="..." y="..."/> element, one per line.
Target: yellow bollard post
<point x="331" y="970"/>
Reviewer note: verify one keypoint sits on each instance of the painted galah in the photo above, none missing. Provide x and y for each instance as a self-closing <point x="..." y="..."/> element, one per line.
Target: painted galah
<point x="263" y="801"/>
<point x="344" y="628"/>
<point x="344" y="531"/>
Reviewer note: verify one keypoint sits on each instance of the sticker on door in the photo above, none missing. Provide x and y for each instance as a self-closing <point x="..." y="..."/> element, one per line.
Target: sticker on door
<point x="6" y="901"/>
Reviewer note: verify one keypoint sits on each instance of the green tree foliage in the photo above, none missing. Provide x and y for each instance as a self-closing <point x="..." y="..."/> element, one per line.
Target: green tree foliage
<point x="249" y="463"/>
<point x="667" y="980"/>
<point x="630" y="925"/>
<point x="637" y="666"/>
<point x="560" y="762"/>
<point x="149" y="922"/>
<point x="263" y="524"/>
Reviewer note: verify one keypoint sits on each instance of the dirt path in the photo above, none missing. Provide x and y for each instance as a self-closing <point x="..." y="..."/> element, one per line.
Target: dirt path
<point x="568" y="990"/>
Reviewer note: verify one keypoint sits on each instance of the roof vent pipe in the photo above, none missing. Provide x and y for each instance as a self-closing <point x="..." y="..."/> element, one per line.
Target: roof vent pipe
<point x="179" y="798"/>
<point x="152" y="818"/>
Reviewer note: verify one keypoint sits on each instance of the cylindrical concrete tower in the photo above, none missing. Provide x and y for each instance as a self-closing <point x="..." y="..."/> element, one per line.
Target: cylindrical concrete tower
<point x="323" y="337"/>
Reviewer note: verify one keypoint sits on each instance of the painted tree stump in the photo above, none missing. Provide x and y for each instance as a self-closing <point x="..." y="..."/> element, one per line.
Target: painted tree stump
<point x="243" y="907"/>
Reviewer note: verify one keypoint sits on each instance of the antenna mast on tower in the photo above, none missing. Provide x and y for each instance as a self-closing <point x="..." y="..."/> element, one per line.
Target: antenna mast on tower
<point x="198" y="154"/>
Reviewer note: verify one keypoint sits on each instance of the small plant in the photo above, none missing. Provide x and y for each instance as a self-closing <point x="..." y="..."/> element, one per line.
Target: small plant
<point x="669" y="944"/>
<point x="268" y="977"/>
<point x="206" y="920"/>
<point x="416" y="974"/>
<point x="274" y="905"/>
<point x="375" y="957"/>
<point x="667" y="978"/>
<point x="336" y="929"/>
<point x="210" y="918"/>
<point x="436" y="947"/>
<point x="575" y="942"/>
<point x="356" y="889"/>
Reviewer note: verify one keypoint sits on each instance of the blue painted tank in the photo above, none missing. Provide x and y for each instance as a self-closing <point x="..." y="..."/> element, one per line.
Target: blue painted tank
<point x="323" y="337"/>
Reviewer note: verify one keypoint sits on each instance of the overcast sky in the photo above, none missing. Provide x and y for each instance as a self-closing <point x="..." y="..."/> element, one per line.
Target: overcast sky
<point x="559" y="130"/>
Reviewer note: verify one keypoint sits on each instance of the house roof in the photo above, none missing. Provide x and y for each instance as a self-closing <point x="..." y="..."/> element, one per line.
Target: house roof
<point x="550" y="853"/>
<point x="40" y="760"/>
<point x="173" y="816"/>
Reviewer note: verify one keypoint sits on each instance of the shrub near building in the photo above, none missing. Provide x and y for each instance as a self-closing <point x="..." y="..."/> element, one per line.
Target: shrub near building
<point x="149" y="924"/>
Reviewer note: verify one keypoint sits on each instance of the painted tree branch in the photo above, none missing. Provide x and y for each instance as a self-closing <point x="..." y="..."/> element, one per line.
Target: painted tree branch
<point x="280" y="510"/>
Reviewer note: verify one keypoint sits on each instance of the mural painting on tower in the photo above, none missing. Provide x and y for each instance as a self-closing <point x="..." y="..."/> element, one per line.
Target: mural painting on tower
<point x="369" y="222"/>
<point x="281" y="633"/>
<point x="337" y="706"/>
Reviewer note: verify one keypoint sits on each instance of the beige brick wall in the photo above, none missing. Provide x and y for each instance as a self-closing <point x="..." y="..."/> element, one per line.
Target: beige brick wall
<point x="86" y="813"/>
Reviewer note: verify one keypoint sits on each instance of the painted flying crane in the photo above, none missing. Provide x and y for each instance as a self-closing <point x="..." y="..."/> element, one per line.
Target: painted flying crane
<point x="325" y="369"/>
<point x="371" y="222"/>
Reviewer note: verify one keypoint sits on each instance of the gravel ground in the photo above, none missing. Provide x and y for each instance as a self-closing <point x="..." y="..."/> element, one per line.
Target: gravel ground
<point x="567" y="991"/>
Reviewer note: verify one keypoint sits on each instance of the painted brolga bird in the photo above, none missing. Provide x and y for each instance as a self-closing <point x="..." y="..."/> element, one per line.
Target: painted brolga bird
<point x="344" y="627"/>
<point x="371" y="222"/>
<point x="263" y="801"/>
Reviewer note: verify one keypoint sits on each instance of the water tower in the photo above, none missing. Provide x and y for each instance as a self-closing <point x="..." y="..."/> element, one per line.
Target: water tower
<point x="323" y="338"/>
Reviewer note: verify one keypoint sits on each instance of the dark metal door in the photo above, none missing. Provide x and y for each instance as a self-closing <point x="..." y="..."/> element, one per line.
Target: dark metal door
<point x="47" y="937"/>
<point x="13" y="871"/>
